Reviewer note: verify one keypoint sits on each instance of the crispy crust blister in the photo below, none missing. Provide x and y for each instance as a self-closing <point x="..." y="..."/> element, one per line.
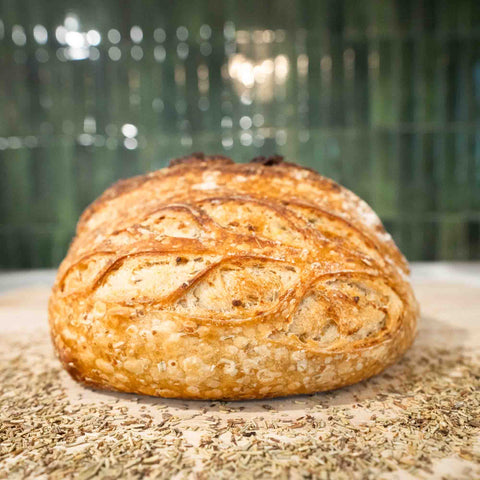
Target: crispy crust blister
<point x="215" y="280"/>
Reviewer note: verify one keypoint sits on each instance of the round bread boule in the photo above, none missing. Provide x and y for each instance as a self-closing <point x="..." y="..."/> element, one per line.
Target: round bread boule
<point x="215" y="280"/>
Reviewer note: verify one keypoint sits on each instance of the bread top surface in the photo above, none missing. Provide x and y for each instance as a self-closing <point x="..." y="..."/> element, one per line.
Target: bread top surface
<point x="217" y="242"/>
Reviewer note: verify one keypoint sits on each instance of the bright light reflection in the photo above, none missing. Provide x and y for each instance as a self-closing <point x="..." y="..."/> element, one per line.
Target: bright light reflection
<point x="245" y="123"/>
<point x="81" y="45"/>
<point x="74" y="39"/>
<point x="71" y="22"/>
<point x="136" y="34"/>
<point x="114" y="35"/>
<point x="262" y="74"/>
<point x="129" y="130"/>
<point x="18" y="35"/>
<point x="93" y="37"/>
<point x="241" y="69"/>
<point x="114" y="53"/>
<point x="40" y="34"/>
<point x="60" y="33"/>
<point x="130" y="143"/>
<point x="282" y="68"/>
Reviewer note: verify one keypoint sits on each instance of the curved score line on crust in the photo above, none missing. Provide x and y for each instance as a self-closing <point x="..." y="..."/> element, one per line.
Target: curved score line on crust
<point x="120" y="256"/>
<point x="286" y="214"/>
<point x="291" y="217"/>
<point x="369" y="240"/>
<point x="123" y="187"/>
<point x="129" y="185"/>
<point x="282" y="212"/>
<point x="195" y="213"/>
<point x="60" y="282"/>
<point x="296" y="293"/>
<point x="299" y="224"/>
<point x="101" y="278"/>
<point x="387" y="281"/>
<point x="384" y="336"/>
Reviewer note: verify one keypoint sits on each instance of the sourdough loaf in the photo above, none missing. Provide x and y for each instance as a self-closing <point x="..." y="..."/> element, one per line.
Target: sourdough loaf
<point x="215" y="280"/>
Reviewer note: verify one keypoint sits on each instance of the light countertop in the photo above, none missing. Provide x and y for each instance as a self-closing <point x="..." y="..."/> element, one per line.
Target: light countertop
<point x="417" y="420"/>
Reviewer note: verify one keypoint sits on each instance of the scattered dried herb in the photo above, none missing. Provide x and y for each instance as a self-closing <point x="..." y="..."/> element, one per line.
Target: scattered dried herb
<point x="424" y="409"/>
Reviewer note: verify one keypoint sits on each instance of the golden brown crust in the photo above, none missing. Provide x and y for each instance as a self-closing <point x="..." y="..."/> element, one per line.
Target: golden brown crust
<point x="210" y="279"/>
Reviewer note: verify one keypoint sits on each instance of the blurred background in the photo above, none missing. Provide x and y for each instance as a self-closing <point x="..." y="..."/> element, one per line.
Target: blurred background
<point x="382" y="96"/>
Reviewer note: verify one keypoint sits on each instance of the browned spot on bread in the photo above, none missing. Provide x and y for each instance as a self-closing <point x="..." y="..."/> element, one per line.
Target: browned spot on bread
<point x="268" y="161"/>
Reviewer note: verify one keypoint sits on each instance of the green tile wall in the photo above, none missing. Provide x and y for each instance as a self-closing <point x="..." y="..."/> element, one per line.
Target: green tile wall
<point x="383" y="96"/>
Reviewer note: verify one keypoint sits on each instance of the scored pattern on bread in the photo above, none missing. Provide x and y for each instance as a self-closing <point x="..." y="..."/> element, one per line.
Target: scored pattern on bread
<point x="211" y="279"/>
